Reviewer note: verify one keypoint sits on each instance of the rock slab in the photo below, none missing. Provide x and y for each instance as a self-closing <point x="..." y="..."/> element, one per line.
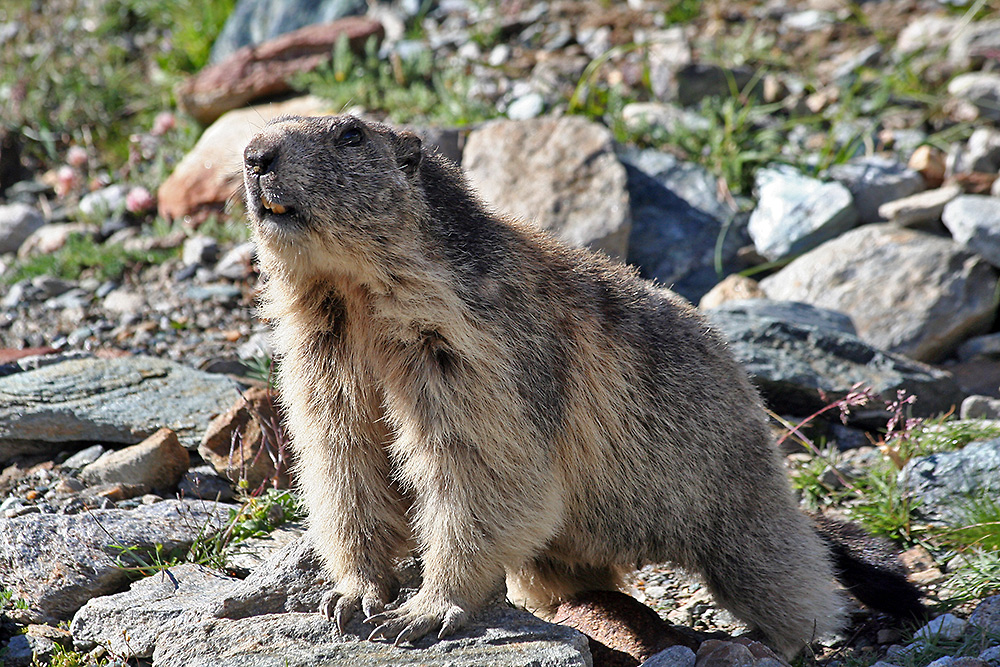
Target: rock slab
<point x="907" y="292"/>
<point x="258" y="21"/>
<point x="122" y="400"/>
<point x="559" y="173"/>
<point x="803" y="358"/>
<point x="254" y="73"/>
<point x="57" y="562"/>
<point x="192" y="616"/>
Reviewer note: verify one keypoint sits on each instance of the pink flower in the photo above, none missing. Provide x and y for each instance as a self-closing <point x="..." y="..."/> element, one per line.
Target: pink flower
<point x="138" y="200"/>
<point x="163" y="123"/>
<point x="76" y="156"/>
<point x="68" y="179"/>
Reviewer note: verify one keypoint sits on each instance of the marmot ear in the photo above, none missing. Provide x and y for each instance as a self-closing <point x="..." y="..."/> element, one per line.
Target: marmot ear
<point x="409" y="153"/>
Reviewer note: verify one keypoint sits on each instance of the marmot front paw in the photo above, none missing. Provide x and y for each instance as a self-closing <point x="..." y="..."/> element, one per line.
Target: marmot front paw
<point x="417" y="617"/>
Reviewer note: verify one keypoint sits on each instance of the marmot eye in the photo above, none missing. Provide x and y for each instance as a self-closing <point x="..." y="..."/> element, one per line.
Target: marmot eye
<point x="350" y="137"/>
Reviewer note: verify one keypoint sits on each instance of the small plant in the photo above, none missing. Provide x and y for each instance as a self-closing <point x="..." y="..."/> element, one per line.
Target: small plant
<point x="7" y="600"/>
<point x="84" y="256"/>
<point x="405" y="89"/>
<point x="66" y="657"/>
<point x="255" y="517"/>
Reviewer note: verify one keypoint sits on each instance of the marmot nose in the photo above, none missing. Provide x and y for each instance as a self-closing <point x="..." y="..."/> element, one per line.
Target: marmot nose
<point x="259" y="156"/>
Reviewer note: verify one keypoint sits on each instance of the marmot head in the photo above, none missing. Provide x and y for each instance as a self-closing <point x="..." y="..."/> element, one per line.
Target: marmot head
<point x="332" y="193"/>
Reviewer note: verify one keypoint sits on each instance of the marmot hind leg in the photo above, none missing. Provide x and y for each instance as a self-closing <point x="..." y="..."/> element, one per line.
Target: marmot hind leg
<point x="543" y="582"/>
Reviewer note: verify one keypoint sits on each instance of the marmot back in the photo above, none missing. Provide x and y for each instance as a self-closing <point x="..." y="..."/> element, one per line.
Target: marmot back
<point x="512" y="408"/>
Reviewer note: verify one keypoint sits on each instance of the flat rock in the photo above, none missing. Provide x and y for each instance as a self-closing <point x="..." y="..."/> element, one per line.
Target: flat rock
<point x="795" y="213"/>
<point x="56" y="562"/>
<point x="907" y="292"/>
<point x="559" y="173"/>
<point x="987" y="345"/>
<point x="177" y="597"/>
<point x="980" y="407"/>
<point x="17" y="222"/>
<point x="919" y="210"/>
<point x="256" y="72"/>
<point x="290" y="580"/>
<point x="193" y="616"/>
<point x="257" y="21"/>
<point x="123" y="400"/>
<point x="209" y="175"/>
<point x="158" y="462"/>
<point x="943" y="482"/>
<point x="676" y="222"/>
<point x="875" y="180"/>
<point x="974" y="222"/>
<point x="803" y="358"/>
<point x="498" y="636"/>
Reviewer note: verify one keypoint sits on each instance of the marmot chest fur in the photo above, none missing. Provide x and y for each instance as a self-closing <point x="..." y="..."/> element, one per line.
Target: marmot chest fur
<point x="512" y="408"/>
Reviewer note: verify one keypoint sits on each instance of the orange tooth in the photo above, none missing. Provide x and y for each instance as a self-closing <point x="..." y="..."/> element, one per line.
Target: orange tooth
<point x="271" y="206"/>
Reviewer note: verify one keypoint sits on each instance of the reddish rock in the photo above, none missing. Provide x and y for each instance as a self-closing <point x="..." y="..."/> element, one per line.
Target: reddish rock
<point x="210" y="174"/>
<point x="266" y="70"/>
<point x="623" y="632"/>
<point x="158" y="462"/>
<point x="9" y="354"/>
<point x="247" y="442"/>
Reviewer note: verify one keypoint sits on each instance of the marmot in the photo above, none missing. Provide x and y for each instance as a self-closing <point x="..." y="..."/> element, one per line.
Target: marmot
<point x="510" y="407"/>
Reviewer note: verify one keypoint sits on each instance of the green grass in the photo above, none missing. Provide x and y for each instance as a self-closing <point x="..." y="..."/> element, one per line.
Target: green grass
<point x="81" y="257"/>
<point x="969" y="545"/>
<point x="416" y="89"/>
<point x="7" y="600"/>
<point x="78" y="75"/>
<point x="255" y="517"/>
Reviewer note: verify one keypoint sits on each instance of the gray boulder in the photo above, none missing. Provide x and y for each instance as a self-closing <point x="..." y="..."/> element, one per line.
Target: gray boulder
<point x="559" y="173"/>
<point x="945" y="483"/>
<point x="676" y="222"/>
<point x="803" y="358"/>
<point x="974" y="222"/>
<point x="907" y="292"/>
<point x="796" y="213"/>
<point x="498" y="636"/>
<point x="17" y="223"/>
<point x="123" y="400"/>
<point x="257" y="21"/>
<point x="875" y="180"/>
<point x="56" y="562"/>
<point x="193" y="616"/>
<point x="129" y="623"/>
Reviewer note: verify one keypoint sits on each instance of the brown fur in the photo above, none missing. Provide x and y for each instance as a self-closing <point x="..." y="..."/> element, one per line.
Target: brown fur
<point x="508" y="406"/>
